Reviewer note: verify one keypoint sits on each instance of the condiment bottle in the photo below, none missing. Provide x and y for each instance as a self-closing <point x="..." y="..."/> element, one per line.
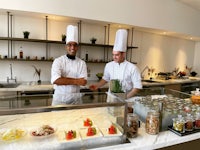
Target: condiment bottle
<point x="152" y="123"/>
<point x="197" y="120"/>
<point x="189" y="122"/>
<point x="178" y="124"/>
<point x="21" y="53"/>
<point x="132" y="125"/>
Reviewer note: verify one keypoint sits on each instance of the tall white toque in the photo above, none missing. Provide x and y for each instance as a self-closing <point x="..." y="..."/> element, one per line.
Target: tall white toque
<point x="72" y="34"/>
<point x="120" y="40"/>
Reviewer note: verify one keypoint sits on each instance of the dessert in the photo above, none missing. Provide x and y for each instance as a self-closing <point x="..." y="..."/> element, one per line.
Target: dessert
<point x="87" y="122"/>
<point x="43" y="131"/>
<point x="112" y="130"/>
<point x="70" y="135"/>
<point x="91" y="131"/>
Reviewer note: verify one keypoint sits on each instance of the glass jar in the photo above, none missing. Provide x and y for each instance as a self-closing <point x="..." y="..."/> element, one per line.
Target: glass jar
<point x="197" y="120"/>
<point x="189" y="125"/>
<point x="178" y="124"/>
<point x="132" y="125"/>
<point x="152" y="123"/>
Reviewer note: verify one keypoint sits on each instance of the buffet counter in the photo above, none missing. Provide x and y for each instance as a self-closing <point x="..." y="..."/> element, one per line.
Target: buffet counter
<point x="23" y="128"/>
<point x="163" y="140"/>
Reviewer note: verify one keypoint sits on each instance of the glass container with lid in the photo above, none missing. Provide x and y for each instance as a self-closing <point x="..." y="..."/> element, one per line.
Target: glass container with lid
<point x="132" y="125"/>
<point x="152" y="123"/>
<point x="178" y="124"/>
<point x="197" y="120"/>
<point x="189" y="126"/>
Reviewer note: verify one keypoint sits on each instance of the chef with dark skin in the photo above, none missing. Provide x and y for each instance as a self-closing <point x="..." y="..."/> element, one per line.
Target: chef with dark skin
<point x="120" y="69"/>
<point x="68" y="72"/>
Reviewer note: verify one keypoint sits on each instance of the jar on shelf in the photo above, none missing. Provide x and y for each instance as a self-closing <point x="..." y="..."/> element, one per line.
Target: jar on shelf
<point x="178" y="124"/>
<point x="132" y="125"/>
<point x="152" y="124"/>
<point x="189" y="122"/>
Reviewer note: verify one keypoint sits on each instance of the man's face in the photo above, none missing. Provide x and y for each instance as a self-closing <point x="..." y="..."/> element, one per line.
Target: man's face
<point x="72" y="48"/>
<point x="118" y="56"/>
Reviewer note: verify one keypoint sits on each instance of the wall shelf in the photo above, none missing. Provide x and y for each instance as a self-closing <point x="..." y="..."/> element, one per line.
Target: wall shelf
<point x="57" y="42"/>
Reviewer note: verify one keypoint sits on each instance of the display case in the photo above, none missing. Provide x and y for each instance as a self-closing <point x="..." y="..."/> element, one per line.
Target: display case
<point x="26" y="127"/>
<point x="169" y="103"/>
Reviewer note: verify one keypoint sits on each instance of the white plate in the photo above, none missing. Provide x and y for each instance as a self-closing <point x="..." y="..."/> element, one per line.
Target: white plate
<point x="43" y="136"/>
<point x="2" y="131"/>
<point x="105" y="132"/>
<point x="62" y="138"/>
<point x="83" y="133"/>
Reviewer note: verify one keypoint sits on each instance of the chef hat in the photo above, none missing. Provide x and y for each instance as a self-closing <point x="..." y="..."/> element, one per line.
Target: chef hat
<point x="120" y="40"/>
<point x="72" y="34"/>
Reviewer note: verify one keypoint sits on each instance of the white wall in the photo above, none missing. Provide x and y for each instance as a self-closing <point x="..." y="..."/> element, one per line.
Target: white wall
<point x="160" y="52"/>
<point x="169" y="15"/>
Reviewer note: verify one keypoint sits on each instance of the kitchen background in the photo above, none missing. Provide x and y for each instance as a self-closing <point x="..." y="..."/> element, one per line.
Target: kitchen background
<point x="159" y="51"/>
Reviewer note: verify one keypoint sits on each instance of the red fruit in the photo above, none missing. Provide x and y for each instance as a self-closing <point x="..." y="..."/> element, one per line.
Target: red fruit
<point x="112" y="130"/>
<point x="91" y="131"/>
<point x="87" y="122"/>
<point x="70" y="135"/>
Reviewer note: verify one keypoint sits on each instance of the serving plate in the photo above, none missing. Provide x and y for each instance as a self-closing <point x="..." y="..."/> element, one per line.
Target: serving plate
<point x="106" y="134"/>
<point x="62" y="137"/>
<point x="41" y="136"/>
<point x="83" y="133"/>
<point x="12" y="134"/>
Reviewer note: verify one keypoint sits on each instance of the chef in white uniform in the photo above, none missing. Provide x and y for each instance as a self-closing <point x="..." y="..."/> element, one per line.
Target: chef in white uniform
<point x="126" y="72"/>
<point x="68" y="72"/>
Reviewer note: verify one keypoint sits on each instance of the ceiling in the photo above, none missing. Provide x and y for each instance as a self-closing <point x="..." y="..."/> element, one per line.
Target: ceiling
<point x="191" y="3"/>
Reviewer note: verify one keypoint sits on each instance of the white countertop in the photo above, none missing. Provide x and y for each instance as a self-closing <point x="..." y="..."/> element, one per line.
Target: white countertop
<point x="71" y="118"/>
<point x="146" y="141"/>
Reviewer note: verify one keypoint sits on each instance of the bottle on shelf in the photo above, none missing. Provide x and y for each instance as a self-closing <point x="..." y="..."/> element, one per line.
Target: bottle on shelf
<point x="21" y="53"/>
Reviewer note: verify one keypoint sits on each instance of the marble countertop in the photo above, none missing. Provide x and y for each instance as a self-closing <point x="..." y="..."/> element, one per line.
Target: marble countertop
<point x="149" y="142"/>
<point x="73" y="118"/>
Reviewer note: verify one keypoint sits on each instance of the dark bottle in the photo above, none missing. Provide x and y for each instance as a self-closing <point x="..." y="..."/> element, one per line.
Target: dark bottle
<point x="21" y="53"/>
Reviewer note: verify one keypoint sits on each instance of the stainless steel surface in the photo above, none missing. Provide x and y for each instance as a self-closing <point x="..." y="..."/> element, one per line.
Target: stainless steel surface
<point x="9" y="85"/>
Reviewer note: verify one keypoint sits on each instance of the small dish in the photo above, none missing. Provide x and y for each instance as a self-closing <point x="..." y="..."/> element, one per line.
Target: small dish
<point x="105" y="132"/>
<point x="62" y="137"/>
<point x="83" y="132"/>
<point x="43" y="131"/>
<point x="12" y="134"/>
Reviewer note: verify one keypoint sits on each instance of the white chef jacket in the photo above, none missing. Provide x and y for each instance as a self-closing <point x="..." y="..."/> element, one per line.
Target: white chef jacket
<point x="65" y="67"/>
<point x="126" y="72"/>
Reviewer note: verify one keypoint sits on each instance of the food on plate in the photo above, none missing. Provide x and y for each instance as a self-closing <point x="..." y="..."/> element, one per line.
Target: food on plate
<point x="70" y="134"/>
<point x="87" y="122"/>
<point x="91" y="131"/>
<point x="112" y="130"/>
<point x="12" y="134"/>
<point x="43" y="131"/>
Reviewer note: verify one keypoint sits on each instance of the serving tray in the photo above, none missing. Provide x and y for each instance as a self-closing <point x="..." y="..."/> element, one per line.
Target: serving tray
<point x="183" y="134"/>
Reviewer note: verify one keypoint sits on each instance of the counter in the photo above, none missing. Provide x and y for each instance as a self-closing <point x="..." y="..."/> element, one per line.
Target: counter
<point x="163" y="140"/>
<point x="143" y="141"/>
<point x="146" y="83"/>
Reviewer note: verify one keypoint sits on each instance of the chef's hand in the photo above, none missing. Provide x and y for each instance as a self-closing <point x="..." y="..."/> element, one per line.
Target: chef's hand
<point x="93" y="87"/>
<point x="82" y="81"/>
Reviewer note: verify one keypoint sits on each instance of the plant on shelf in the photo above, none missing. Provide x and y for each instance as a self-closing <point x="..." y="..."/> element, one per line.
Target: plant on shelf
<point x="63" y="37"/>
<point x="93" y="40"/>
<point x="26" y="34"/>
<point x="38" y="73"/>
